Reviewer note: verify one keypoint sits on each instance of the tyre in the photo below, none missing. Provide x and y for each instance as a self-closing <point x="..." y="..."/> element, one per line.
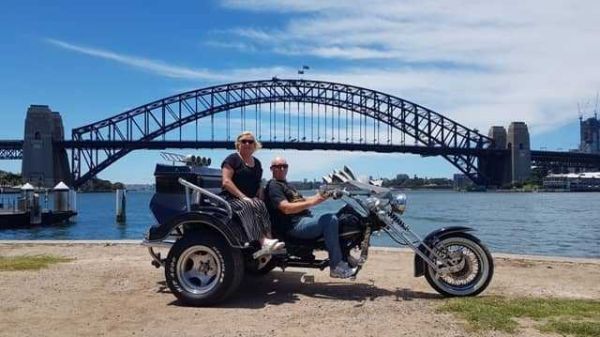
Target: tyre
<point x="474" y="266"/>
<point x="202" y="269"/>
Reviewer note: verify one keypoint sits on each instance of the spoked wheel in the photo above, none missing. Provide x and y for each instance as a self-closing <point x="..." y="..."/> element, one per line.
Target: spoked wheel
<point x="471" y="266"/>
<point x="202" y="269"/>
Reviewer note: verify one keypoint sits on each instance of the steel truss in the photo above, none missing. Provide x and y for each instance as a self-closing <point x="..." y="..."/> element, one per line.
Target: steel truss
<point x="11" y="149"/>
<point x="564" y="160"/>
<point x="149" y="122"/>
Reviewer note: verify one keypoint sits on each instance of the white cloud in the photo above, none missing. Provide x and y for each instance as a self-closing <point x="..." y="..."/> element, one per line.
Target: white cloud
<point x="167" y="70"/>
<point x="154" y="66"/>
<point x="480" y="62"/>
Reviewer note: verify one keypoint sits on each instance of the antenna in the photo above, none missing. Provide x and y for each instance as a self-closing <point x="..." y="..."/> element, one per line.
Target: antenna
<point x="596" y="107"/>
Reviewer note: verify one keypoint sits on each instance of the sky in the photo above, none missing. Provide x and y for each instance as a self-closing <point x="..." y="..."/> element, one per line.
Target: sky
<point x="479" y="63"/>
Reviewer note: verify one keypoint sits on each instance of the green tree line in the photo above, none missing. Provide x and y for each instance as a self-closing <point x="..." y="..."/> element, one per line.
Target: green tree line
<point x="10" y="179"/>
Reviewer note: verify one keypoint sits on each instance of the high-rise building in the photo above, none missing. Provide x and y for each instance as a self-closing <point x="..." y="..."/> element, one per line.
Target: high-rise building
<point x="590" y="135"/>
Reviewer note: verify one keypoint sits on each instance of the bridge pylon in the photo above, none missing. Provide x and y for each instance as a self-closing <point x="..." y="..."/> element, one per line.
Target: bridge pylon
<point x="45" y="163"/>
<point x="512" y="166"/>
<point x="496" y="164"/>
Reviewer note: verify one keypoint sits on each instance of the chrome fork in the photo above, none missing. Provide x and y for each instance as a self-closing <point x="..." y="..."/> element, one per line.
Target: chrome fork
<point x="398" y="230"/>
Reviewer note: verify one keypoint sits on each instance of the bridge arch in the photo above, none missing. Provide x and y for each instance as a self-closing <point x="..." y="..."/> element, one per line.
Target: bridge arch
<point x="146" y="123"/>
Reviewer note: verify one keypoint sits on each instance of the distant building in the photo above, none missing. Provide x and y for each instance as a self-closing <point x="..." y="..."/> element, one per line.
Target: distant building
<point x="590" y="135"/>
<point x="574" y="182"/>
<point x="402" y="176"/>
<point x="461" y="181"/>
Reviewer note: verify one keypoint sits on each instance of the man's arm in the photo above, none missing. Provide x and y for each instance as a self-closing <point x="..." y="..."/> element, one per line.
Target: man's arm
<point x="287" y="207"/>
<point x="277" y="196"/>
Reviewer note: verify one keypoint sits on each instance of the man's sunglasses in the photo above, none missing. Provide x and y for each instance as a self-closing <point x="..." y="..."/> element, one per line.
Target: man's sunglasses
<point x="247" y="141"/>
<point x="280" y="166"/>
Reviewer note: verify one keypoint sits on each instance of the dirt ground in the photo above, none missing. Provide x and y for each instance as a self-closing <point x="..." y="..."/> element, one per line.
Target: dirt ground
<point x="112" y="290"/>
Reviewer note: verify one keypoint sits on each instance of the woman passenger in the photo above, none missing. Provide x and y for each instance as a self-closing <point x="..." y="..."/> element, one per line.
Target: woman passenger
<point x="242" y="174"/>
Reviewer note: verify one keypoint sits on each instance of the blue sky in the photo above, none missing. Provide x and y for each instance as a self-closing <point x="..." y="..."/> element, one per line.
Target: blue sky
<point x="480" y="63"/>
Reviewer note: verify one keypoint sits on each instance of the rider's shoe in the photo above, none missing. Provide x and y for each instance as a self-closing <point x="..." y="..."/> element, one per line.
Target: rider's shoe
<point x="268" y="247"/>
<point x="342" y="270"/>
<point x="272" y="245"/>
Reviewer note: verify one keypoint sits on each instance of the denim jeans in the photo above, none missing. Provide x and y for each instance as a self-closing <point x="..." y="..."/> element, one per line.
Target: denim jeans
<point x="326" y="225"/>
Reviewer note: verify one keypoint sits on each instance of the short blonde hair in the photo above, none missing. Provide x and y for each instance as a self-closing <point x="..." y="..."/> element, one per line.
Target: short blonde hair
<point x="257" y="144"/>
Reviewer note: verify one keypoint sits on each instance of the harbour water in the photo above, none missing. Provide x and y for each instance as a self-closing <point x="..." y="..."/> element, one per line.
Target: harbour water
<point x="557" y="224"/>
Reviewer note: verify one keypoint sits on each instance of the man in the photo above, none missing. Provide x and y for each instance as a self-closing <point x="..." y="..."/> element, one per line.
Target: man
<point x="290" y="213"/>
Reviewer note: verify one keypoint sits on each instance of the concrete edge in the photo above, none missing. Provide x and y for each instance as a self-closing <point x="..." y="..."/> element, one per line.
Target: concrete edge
<point x="381" y="249"/>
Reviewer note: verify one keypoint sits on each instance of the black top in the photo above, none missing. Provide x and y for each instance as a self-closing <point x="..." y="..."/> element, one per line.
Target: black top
<point x="276" y="192"/>
<point x="245" y="178"/>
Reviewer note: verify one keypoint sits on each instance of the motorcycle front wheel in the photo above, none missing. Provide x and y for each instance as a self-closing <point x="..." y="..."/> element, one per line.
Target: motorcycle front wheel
<point x="472" y="266"/>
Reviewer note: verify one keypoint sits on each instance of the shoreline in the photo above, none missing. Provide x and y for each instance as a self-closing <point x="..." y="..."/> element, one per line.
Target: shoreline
<point x="547" y="258"/>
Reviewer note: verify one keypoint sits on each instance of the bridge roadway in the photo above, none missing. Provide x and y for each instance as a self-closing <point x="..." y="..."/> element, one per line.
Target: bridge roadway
<point x="537" y="156"/>
<point x="295" y="145"/>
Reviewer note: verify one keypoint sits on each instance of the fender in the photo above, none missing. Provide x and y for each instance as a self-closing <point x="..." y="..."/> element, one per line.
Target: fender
<point x="199" y="218"/>
<point x="437" y="234"/>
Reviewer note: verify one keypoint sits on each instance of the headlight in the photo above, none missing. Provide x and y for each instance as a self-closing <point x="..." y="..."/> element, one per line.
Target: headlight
<point x="372" y="203"/>
<point x="398" y="203"/>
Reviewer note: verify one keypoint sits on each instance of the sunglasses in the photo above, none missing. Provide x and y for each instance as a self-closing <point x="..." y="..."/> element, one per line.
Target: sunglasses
<point x="247" y="141"/>
<point x="280" y="166"/>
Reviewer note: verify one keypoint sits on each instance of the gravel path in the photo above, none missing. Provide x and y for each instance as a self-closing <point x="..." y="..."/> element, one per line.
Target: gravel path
<point x="111" y="289"/>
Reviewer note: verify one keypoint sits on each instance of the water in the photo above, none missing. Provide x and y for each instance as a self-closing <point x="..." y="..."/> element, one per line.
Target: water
<point x="558" y="224"/>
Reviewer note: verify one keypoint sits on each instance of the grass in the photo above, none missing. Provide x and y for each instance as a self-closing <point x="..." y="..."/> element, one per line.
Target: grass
<point x="579" y="318"/>
<point x="27" y="262"/>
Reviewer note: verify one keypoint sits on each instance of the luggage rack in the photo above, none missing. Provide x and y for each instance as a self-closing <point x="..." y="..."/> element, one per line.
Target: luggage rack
<point x="189" y="159"/>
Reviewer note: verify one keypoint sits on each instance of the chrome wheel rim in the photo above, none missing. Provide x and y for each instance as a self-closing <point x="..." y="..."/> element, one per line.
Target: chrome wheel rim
<point x="474" y="267"/>
<point x="198" y="270"/>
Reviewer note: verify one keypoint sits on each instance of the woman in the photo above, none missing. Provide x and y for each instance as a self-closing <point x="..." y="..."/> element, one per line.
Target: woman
<point x="242" y="173"/>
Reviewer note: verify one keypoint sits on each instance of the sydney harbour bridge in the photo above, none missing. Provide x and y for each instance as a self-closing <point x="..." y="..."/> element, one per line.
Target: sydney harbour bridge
<point x="283" y="114"/>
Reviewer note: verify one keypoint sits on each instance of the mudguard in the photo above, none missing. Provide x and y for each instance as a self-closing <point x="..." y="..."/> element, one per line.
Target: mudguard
<point x="204" y="217"/>
<point x="437" y="234"/>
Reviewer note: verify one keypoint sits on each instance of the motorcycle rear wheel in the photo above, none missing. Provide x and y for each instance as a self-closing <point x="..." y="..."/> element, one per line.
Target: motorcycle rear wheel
<point x="202" y="269"/>
<point x="477" y="266"/>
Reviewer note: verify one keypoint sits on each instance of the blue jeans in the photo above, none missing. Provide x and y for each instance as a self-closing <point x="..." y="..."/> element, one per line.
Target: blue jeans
<point x="327" y="225"/>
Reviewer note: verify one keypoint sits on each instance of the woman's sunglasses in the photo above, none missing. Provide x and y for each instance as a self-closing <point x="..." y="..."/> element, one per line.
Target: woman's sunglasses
<point x="280" y="166"/>
<point x="247" y="141"/>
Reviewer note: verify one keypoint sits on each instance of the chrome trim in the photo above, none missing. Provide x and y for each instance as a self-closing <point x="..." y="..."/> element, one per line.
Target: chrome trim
<point x="155" y="257"/>
<point x="398" y="203"/>
<point x="201" y="191"/>
<point x="199" y="269"/>
<point x="157" y="243"/>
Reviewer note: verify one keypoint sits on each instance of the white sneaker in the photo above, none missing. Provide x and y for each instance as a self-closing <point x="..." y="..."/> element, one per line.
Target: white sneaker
<point x="268" y="247"/>
<point x="272" y="245"/>
<point x="342" y="270"/>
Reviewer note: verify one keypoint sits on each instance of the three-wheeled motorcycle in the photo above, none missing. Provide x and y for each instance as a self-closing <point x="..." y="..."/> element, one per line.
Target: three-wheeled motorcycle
<point x="209" y="253"/>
